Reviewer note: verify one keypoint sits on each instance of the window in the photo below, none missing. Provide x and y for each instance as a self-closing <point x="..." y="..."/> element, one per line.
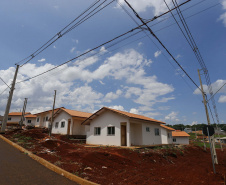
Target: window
<point x="147" y="129"/>
<point x="97" y="131"/>
<point x="37" y="119"/>
<point x="111" y="131"/>
<point x="29" y="121"/>
<point x="157" y="131"/>
<point x="174" y="140"/>
<point x="56" y="124"/>
<point x="43" y="119"/>
<point x="46" y="118"/>
<point x="168" y="135"/>
<point x="9" y="118"/>
<point x="62" y="124"/>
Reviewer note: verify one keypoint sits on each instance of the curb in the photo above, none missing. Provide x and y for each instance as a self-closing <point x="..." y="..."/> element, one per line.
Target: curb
<point x="49" y="165"/>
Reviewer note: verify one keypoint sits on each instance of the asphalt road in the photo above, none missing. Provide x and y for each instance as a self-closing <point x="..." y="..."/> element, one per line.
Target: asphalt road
<point x="16" y="168"/>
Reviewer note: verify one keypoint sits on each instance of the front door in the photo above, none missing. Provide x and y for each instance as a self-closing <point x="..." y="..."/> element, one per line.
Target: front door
<point x="123" y="135"/>
<point x="69" y="127"/>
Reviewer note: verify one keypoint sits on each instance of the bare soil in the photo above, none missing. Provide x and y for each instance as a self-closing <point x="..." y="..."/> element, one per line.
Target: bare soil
<point x="113" y="165"/>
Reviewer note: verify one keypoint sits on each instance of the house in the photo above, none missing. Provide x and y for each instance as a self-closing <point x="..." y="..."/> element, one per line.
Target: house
<point x="30" y="120"/>
<point x="166" y="134"/>
<point x="15" y="117"/>
<point x="188" y="130"/>
<point x="69" y="122"/>
<point x="114" y="127"/>
<point x="180" y="137"/>
<point x="42" y="118"/>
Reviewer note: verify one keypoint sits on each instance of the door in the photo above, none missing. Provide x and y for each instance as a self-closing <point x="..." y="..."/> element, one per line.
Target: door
<point x="69" y="127"/>
<point x="123" y="135"/>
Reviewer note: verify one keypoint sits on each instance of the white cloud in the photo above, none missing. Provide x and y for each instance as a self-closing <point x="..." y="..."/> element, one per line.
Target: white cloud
<point x="126" y="69"/>
<point x="42" y="60"/>
<point x="72" y="50"/>
<point x="118" y="107"/>
<point x="172" y="117"/>
<point x="222" y="99"/>
<point x="157" y="53"/>
<point x="134" y="111"/>
<point x="223" y="16"/>
<point x="140" y="43"/>
<point x="157" y="6"/>
<point x="194" y="123"/>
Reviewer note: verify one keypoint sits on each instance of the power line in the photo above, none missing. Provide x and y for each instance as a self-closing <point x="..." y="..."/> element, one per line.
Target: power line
<point x="149" y="29"/>
<point x="138" y="27"/>
<point x="4" y="82"/>
<point x="61" y="33"/>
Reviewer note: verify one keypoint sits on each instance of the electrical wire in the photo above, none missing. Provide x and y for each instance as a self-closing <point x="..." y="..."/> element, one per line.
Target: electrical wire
<point x="61" y="33"/>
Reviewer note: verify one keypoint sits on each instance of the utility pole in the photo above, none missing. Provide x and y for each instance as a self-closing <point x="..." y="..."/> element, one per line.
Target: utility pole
<point x="9" y="101"/>
<point x="213" y="152"/>
<point x="51" y="124"/>
<point x="22" y="116"/>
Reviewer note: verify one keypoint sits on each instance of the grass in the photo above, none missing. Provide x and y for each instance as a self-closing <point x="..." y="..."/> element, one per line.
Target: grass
<point x="201" y="144"/>
<point x="192" y="136"/>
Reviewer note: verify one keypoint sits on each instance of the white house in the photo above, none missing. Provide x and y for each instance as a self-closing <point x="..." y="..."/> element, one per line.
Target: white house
<point x="15" y="117"/>
<point x="42" y="118"/>
<point x="120" y="128"/>
<point x="166" y="134"/>
<point x="30" y="120"/>
<point x="69" y="122"/>
<point x="180" y="137"/>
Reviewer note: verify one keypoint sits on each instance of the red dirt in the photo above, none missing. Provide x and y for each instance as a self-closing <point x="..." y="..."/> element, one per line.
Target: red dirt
<point x="112" y="165"/>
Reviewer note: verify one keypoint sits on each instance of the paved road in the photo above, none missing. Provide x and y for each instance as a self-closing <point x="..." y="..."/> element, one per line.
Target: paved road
<point x="16" y="168"/>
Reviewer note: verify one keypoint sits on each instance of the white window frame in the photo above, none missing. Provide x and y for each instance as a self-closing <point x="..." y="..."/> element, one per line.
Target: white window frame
<point x="9" y="118"/>
<point x="29" y="121"/>
<point x="147" y="129"/>
<point x="97" y="131"/>
<point x="111" y="131"/>
<point x="37" y="119"/>
<point x="157" y="132"/>
<point x="62" y="124"/>
<point x="56" y="124"/>
<point x="174" y="140"/>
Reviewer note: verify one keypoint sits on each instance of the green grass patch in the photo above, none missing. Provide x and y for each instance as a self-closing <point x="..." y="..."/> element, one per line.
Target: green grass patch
<point x="192" y="136"/>
<point x="201" y="144"/>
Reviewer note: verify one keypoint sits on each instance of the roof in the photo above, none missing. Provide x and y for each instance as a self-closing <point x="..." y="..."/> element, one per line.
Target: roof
<point x="30" y="116"/>
<point x="17" y="113"/>
<point x="123" y="113"/>
<point x="55" y="110"/>
<point x="75" y="113"/>
<point x="180" y="134"/>
<point x="168" y="128"/>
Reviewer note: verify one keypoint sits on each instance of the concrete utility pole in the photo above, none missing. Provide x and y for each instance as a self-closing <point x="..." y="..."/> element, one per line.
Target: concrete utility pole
<point x="51" y="124"/>
<point x="9" y="101"/>
<point x="24" y="109"/>
<point x="208" y="121"/>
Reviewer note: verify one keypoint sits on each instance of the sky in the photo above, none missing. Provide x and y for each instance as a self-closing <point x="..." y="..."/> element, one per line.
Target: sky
<point x="133" y="74"/>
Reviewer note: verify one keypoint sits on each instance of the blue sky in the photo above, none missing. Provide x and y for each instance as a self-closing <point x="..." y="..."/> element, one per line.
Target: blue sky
<point x="133" y="75"/>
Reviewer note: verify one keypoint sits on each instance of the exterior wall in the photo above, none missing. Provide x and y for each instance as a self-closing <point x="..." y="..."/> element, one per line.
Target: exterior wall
<point x="149" y="138"/>
<point x="106" y="119"/>
<point x="165" y="138"/>
<point x="77" y="128"/>
<point x="136" y="134"/>
<point x="14" y="119"/>
<point x="63" y="116"/>
<point x="181" y="140"/>
<point x="33" y="121"/>
<point x="43" y="123"/>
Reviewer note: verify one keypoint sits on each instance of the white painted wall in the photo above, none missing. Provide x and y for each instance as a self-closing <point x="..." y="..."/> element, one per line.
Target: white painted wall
<point x="77" y="128"/>
<point x="182" y="140"/>
<point x="136" y="133"/>
<point x="33" y="121"/>
<point x="43" y="123"/>
<point x="63" y="116"/>
<point x="149" y="138"/>
<point x="106" y="119"/>
<point x="14" y="119"/>
<point x="165" y="138"/>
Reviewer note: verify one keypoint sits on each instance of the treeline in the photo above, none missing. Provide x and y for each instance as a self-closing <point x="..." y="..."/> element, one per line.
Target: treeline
<point x="196" y="127"/>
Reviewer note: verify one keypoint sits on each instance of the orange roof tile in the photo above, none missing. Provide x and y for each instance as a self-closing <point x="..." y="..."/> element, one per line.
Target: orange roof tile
<point x="77" y="113"/>
<point x="131" y="115"/>
<point x="127" y="114"/>
<point x="168" y="128"/>
<point x="180" y="134"/>
<point x="17" y="113"/>
<point x="30" y="116"/>
<point x="55" y="110"/>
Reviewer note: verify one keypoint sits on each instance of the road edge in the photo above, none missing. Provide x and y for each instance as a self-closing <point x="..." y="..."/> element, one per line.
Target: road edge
<point x="49" y="165"/>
